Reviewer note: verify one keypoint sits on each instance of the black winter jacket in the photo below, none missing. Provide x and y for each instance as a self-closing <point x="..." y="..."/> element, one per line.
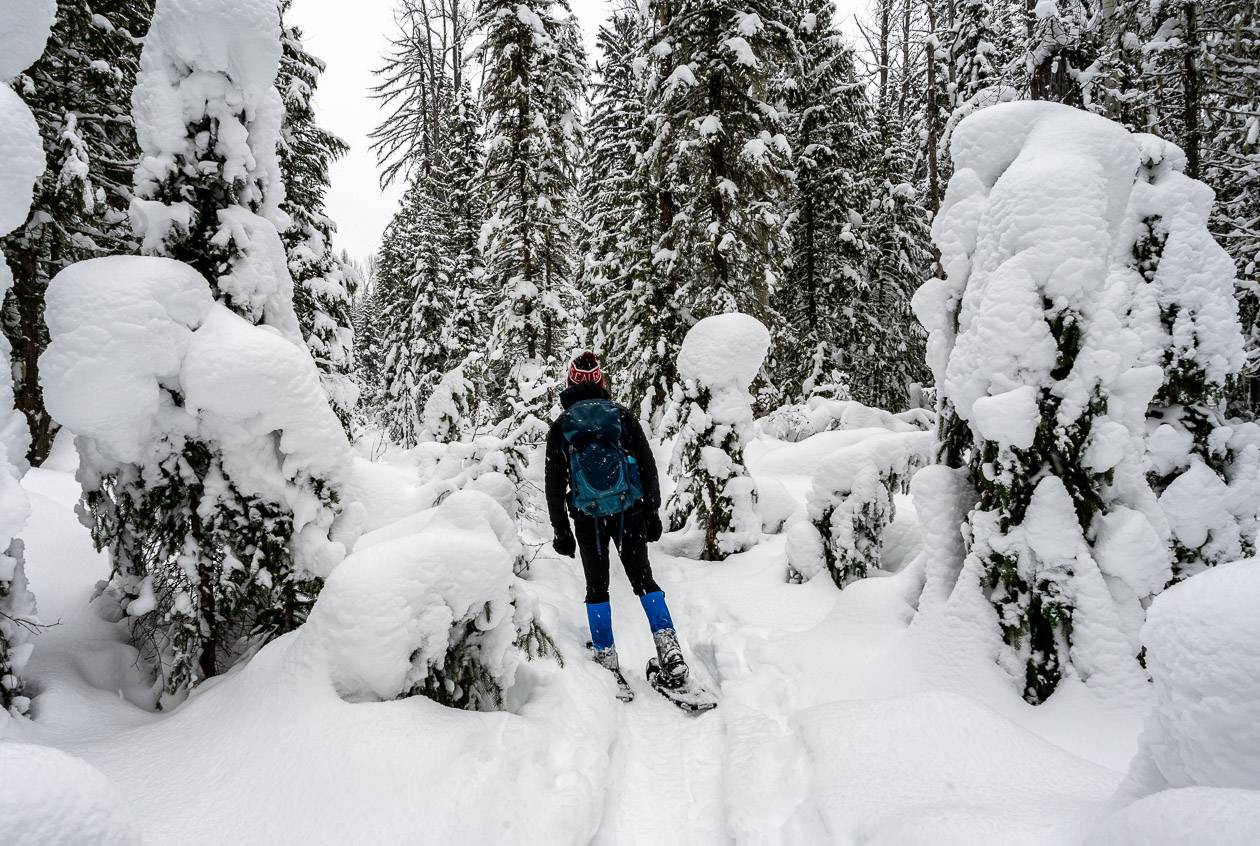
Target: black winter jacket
<point x="633" y="441"/>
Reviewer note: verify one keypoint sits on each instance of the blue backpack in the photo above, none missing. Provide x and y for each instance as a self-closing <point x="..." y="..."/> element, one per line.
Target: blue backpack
<point x="603" y="478"/>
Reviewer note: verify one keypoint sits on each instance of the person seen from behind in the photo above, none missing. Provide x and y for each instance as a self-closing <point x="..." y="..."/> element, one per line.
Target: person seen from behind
<point x="601" y="474"/>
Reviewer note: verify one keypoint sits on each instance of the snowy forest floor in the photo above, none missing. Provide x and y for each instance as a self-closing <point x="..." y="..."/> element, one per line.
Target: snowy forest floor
<point x="841" y="720"/>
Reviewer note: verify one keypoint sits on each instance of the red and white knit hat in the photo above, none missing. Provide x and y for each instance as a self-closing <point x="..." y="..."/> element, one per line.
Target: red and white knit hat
<point x="585" y="369"/>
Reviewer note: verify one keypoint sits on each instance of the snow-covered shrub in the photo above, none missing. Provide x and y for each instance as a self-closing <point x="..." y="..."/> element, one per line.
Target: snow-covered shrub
<point x="25" y="30"/>
<point x="821" y="414"/>
<point x="448" y="412"/>
<point x="1047" y="342"/>
<point x="432" y="610"/>
<point x="1202" y="641"/>
<point x="54" y="799"/>
<point x="714" y="495"/>
<point x="522" y="432"/>
<point x="851" y="504"/>
<point x="210" y="460"/>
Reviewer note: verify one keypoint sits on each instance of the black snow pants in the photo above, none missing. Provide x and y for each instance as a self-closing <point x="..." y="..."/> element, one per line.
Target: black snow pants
<point x="630" y="537"/>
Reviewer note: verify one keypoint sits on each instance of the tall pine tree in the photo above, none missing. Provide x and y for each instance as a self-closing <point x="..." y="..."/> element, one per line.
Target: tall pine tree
<point x="534" y="80"/>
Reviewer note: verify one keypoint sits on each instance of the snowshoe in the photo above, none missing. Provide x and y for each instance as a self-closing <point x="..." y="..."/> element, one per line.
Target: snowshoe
<point x="607" y="658"/>
<point x="669" y="676"/>
<point x="689" y="696"/>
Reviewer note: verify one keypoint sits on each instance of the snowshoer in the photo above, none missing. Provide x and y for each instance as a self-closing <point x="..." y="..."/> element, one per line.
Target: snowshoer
<point x="601" y="472"/>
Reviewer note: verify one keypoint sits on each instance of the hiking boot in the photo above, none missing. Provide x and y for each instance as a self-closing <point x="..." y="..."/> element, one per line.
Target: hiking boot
<point x="673" y="669"/>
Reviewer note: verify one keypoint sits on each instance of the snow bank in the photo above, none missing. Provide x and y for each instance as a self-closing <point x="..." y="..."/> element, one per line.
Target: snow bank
<point x="1187" y="815"/>
<point x="1202" y="642"/>
<point x="54" y="799"/>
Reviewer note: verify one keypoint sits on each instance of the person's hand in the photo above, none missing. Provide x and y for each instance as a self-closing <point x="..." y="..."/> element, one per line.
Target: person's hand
<point x="564" y="544"/>
<point x="652" y="526"/>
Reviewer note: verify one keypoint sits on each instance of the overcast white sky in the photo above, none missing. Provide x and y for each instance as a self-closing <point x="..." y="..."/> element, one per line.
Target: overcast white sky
<point x="350" y="36"/>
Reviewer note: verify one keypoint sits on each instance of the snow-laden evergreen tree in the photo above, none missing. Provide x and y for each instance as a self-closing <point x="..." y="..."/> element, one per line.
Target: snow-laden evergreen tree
<point x="323" y="281"/>
<point x="835" y="156"/>
<point x="533" y="85"/>
<point x="1232" y="161"/>
<point x="465" y="329"/>
<point x="204" y="565"/>
<point x="720" y="156"/>
<point x="634" y="321"/>
<point x="22" y="163"/>
<point x="367" y="341"/>
<point x="415" y="305"/>
<point x="1190" y="279"/>
<point x="886" y="347"/>
<point x="714" y="496"/>
<point x="80" y="93"/>
<point x="1046" y="348"/>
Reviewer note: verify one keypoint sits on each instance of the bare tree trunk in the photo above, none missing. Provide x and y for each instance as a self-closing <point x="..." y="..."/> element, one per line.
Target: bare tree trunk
<point x="1193" y="140"/>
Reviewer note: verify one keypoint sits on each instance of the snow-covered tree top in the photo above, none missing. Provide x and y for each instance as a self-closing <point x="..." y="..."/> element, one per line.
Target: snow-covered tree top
<point x="1040" y="222"/>
<point x="725" y="350"/>
<point x="216" y="59"/>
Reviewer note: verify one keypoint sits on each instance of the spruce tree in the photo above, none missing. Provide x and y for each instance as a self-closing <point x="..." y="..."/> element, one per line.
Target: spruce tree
<point x="413" y="306"/>
<point x="1191" y="281"/>
<point x="465" y="329"/>
<point x="835" y="154"/>
<point x="720" y="155"/>
<point x="80" y="92"/>
<point x="886" y="348"/>
<point x="534" y="79"/>
<point x="323" y="281"/>
<point x="634" y="323"/>
<point x="715" y="496"/>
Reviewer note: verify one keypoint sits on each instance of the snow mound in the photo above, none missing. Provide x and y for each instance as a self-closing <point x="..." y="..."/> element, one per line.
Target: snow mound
<point x="390" y="613"/>
<point x="54" y="799"/>
<point x="795" y="423"/>
<point x="907" y="770"/>
<point x="121" y="328"/>
<point x="1187" y="815"/>
<point x="1203" y="644"/>
<point x="725" y="350"/>
<point x="27" y="24"/>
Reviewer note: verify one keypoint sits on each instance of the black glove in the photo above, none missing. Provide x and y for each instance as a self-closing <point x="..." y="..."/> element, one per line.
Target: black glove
<point x="652" y="525"/>
<point x="564" y="544"/>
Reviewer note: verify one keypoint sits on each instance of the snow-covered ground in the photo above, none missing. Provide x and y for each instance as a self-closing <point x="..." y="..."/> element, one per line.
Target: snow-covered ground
<point x="840" y="721"/>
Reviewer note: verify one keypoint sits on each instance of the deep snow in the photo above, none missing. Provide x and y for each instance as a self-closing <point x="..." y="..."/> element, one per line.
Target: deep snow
<point x="840" y="721"/>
